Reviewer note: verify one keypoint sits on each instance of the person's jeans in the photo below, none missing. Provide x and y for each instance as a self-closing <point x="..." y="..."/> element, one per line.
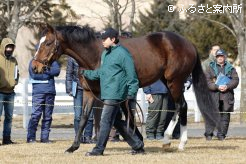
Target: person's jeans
<point x="41" y="104"/>
<point x="78" y="100"/>
<point x="111" y="116"/>
<point x="7" y="103"/>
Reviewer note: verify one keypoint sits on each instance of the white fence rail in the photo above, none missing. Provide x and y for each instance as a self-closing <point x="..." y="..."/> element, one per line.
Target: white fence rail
<point x="64" y="103"/>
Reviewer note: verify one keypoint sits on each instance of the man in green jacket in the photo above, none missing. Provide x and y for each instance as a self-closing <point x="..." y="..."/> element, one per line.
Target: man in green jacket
<point x="8" y="79"/>
<point x="118" y="81"/>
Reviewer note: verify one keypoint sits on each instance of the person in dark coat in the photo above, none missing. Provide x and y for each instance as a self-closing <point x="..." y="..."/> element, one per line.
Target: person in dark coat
<point x="222" y="93"/>
<point x="74" y="89"/>
<point x="43" y="98"/>
<point x="118" y="82"/>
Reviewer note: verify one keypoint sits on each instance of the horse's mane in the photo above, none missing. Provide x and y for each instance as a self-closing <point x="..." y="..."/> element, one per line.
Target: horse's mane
<point x="77" y="34"/>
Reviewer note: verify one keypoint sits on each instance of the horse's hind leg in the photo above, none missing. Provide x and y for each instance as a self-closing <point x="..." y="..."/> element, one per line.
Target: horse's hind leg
<point x="183" y="124"/>
<point x="169" y="131"/>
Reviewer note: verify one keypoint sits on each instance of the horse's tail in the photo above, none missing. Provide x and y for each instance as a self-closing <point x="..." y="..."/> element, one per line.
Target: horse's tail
<point x="204" y="99"/>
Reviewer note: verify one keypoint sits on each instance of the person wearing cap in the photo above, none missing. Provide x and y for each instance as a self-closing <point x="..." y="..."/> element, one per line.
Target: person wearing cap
<point x="222" y="93"/>
<point x="205" y="63"/>
<point x="9" y="76"/>
<point x="118" y="82"/>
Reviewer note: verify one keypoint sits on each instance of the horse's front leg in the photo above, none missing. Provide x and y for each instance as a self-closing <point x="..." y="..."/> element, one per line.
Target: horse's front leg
<point x="87" y="108"/>
<point x="131" y="119"/>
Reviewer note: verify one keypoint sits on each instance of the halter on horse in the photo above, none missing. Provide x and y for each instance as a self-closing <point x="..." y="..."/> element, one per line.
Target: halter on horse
<point x="164" y="55"/>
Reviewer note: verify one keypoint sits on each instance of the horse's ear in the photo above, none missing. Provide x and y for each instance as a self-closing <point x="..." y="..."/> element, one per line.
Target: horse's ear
<point x="50" y="28"/>
<point x="42" y="26"/>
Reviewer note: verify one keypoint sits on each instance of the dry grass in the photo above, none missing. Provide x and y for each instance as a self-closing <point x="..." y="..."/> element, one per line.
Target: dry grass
<point x="66" y="120"/>
<point x="197" y="151"/>
<point x="59" y="121"/>
<point x="232" y="150"/>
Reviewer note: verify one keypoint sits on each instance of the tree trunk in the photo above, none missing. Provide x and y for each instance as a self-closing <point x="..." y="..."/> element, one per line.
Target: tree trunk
<point x="14" y="24"/>
<point x="132" y="15"/>
<point x="13" y="29"/>
<point x="242" y="52"/>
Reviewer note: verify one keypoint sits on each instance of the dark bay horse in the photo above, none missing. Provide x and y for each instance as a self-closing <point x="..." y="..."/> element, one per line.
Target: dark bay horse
<point x="161" y="55"/>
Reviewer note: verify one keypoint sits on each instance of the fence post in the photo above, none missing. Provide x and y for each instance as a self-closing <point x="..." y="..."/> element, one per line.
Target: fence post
<point x="197" y="112"/>
<point x="25" y="102"/>
<point x="142" y="103"/>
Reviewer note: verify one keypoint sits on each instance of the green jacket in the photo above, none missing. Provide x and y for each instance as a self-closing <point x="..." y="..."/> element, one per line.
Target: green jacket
<point x="8" y="69"/>
<point x="228" y="68"/>
<point x="118" y="78"/>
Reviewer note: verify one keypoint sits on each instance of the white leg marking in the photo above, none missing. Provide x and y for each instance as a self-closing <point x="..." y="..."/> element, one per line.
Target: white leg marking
<point x="169" y="131"/>
<point x="183" y="138"/>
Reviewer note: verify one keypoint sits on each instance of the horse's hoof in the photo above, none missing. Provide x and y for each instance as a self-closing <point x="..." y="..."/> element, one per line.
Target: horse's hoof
<point x="182" y="146"/>
<point x="71" y="149"/>
<point x="68" y="151"/>
<point x="166" y="146"/>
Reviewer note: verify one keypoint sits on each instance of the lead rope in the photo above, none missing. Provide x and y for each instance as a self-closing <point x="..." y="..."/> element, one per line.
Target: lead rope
<point x="127" y="106"/>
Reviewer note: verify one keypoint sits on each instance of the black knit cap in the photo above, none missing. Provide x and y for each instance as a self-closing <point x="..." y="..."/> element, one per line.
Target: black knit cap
<point x="109" y="32"/>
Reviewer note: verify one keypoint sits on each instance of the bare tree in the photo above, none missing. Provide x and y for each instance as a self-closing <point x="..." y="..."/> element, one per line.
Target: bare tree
<point x="15" y="17"/>
<point x="116" y="12"/>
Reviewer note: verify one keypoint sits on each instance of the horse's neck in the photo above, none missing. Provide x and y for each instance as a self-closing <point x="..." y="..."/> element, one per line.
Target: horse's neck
<point x="87" y="57"/>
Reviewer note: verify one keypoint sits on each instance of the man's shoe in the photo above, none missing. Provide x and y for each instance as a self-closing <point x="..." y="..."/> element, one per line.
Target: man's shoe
<point x="92" y="153"/>
<point x="31" y="141"/>
<point x="88" y="140"/>
<point x="47" y="141"/>
<point x="7" y="140"/>
<point x="221" y="137"/>
<point x="137" y="151"/>
<point x="208" y="138"/>
<point x="151" y="138"/>
<point x="159" y="137"/>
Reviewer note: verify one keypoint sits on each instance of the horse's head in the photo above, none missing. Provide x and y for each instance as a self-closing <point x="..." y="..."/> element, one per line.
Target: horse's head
<point x="48" y="50"/>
